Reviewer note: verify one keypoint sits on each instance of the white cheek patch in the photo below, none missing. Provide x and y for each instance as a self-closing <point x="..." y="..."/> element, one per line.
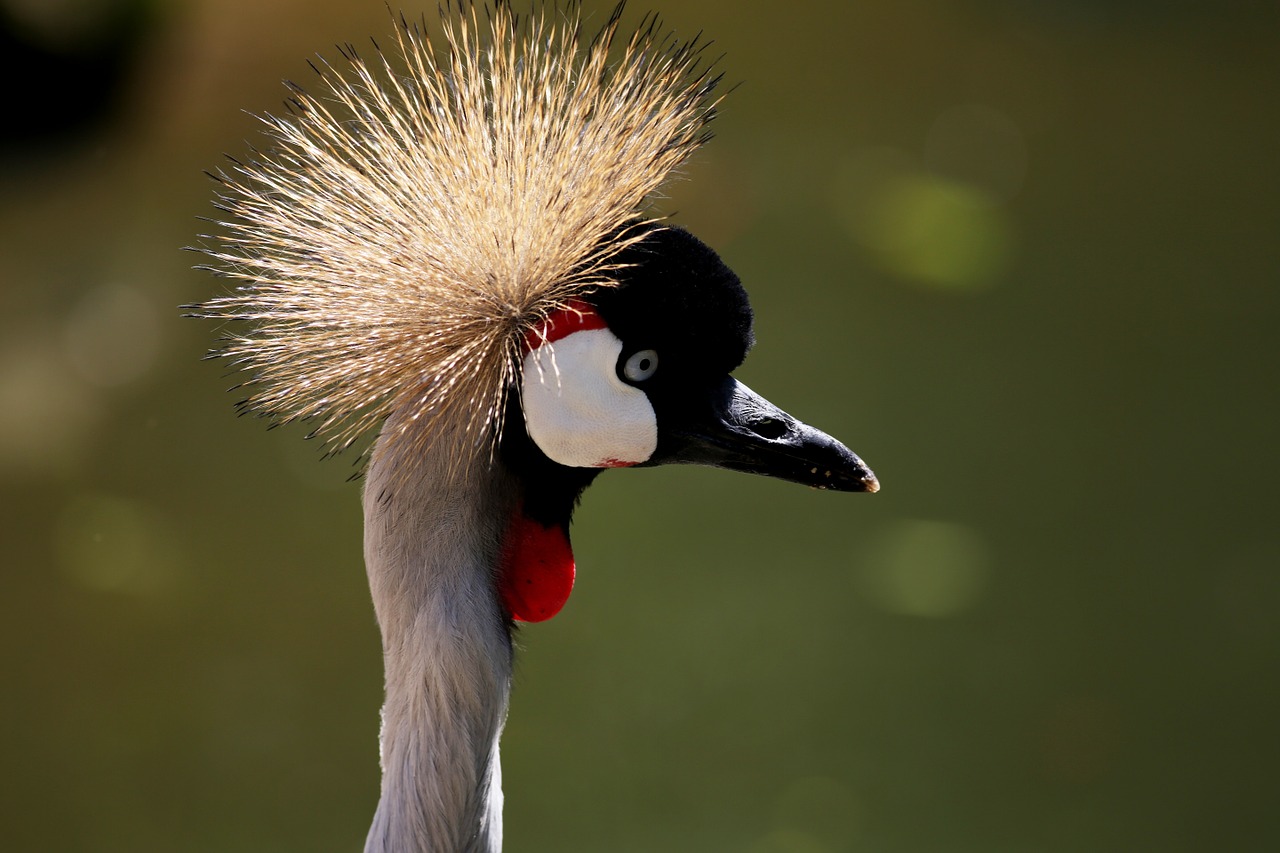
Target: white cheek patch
<point x="578" y="411"/>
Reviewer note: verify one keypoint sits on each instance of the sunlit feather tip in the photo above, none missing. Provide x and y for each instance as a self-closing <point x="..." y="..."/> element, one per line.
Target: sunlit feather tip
<point x="426" y="209"/>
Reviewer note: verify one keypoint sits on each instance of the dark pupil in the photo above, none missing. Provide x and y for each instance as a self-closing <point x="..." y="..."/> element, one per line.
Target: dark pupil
<point x="644" y="364"/>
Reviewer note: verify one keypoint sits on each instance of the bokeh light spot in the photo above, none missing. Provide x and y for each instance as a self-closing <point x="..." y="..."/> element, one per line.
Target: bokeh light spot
<point x="112" y="544"/>
<point x="111" y="337"/>
<point x="925" y="568"/>
<point x="46" y="417"/>
<point x="921" y="228"/>
<point x="937" y="232"/>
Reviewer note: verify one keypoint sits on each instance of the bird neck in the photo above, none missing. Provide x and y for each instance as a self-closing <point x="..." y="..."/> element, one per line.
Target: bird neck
<point x="433" y="540"/>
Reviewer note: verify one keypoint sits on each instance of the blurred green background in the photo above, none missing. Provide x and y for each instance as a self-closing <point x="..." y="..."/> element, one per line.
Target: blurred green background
<point x="1021" y="255"/>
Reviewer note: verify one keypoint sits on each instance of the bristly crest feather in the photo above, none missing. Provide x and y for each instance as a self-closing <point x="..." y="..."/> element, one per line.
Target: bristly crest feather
<point x="425" y="211"/>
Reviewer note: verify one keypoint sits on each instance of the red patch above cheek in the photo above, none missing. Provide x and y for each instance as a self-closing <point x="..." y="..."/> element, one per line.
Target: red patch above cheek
<point x="576" y="316"/>
<point x="537" y="569"/>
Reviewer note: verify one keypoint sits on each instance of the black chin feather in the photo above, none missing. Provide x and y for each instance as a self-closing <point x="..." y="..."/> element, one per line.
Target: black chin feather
<point x="550" y="491"/>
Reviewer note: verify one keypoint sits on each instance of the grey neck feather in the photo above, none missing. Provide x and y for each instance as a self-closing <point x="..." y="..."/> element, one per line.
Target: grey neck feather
<point x="431" y="549"/>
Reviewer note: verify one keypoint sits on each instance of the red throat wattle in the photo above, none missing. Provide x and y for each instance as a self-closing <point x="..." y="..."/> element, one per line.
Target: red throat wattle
<point x="537" y="570"/>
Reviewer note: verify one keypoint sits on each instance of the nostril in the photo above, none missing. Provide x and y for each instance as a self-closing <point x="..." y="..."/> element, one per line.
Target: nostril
<point x="770" y="428"/>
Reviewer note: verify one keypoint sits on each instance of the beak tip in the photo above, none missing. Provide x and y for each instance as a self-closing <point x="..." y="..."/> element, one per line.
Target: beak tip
<point x="872" y="485"/>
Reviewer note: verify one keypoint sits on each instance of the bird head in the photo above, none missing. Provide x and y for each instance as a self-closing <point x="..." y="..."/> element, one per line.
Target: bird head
<point x="639" y="374"/>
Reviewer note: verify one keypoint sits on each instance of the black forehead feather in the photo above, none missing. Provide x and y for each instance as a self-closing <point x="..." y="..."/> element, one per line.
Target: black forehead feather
<point x="678" y="297"/>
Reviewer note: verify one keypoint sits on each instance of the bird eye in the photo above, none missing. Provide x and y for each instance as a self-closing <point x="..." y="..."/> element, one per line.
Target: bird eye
<point x="640" y="366"/>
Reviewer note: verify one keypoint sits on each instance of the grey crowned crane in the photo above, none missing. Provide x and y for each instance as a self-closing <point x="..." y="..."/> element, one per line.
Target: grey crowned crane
<point x="450" y="243"/>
